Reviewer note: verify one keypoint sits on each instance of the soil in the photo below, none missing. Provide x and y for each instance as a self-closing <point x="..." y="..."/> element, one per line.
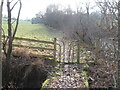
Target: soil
<point x="27" y="71"/>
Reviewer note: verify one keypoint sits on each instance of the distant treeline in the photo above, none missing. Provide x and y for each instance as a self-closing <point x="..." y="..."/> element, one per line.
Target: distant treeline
<point x="80" y="24"/>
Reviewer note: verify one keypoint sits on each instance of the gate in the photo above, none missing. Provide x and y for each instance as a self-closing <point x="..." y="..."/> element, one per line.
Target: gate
<point x="68" y="73"/>
<point x="39" y="45"/>
<point x="68" y="52"/>
<point x="62" y="50"/>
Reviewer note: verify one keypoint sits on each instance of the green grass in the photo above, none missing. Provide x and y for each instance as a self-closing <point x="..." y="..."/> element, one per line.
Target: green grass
<point x="34" y="31"/>
<point x="45" y="82"/>
<point x="86" y="79"/>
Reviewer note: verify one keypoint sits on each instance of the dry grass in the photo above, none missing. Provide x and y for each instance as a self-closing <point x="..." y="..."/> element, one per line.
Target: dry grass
<point x="20" y="52"/>
<point x="25" y="52"/>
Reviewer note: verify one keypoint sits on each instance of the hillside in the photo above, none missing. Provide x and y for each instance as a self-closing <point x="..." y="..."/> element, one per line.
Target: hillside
<point x="36" y="31"/>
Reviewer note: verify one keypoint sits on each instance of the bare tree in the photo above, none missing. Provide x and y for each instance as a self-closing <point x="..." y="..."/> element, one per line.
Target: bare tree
<point x="109" y="10"/>
<point x="9" y="39"/>
<point x="110" y="17"/>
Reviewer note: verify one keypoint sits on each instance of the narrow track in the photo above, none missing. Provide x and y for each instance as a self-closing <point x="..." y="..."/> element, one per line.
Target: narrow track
<point x="68" y="76"/>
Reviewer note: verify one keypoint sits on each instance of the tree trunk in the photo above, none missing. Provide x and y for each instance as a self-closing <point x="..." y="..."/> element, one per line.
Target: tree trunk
<point x="11" y="35"/>
<point x="119" y="44"/>
<point x="1" y="7"/>
<point x="9" y="32"/>
<point x="9" y="51"/>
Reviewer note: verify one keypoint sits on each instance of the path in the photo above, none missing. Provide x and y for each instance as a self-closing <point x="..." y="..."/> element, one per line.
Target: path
<point x="69" y="76"/>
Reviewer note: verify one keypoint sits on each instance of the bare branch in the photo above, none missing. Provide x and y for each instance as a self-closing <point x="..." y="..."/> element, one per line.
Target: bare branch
<point x="3" y="32"/>
<point x="17" y="22"/>
<point x="13" y="22"/>
<point x="4" y="45"/>
<point x="11" y="1"/>
<point x="14" y="5"/>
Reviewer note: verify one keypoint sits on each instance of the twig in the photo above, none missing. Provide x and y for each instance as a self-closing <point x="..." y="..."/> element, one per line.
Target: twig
<point x="17" y="22"/>
<point x="13" y="5"/>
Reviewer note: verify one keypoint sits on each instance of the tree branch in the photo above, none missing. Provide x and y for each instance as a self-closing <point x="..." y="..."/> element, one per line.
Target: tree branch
<point x="13" y="22"/>
<point x="17" y="22"/>
<point x="14" y="5"/>
<point x="11" y="1"/>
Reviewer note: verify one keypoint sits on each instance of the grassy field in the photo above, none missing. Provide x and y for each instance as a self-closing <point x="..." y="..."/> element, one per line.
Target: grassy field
<point x="36" y="31"/>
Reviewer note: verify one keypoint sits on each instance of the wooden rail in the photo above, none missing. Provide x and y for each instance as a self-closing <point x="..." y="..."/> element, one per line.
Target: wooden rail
<point x="32" y="40"/>
<point x="15" y="45"/>
<point x="40" y="48"/>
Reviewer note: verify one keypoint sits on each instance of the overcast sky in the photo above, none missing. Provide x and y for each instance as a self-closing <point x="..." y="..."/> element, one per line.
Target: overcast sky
<point x="31" y="7"/>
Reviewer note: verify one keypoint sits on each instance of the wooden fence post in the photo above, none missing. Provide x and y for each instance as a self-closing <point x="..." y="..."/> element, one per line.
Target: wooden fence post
<point x="73" y="53"/>
<point x="63" y="52"/>
<point x="54" y="49"/>
<point x="60" y="54"/>
<point x="78" y="52"/>
<point x="69" y="54"/>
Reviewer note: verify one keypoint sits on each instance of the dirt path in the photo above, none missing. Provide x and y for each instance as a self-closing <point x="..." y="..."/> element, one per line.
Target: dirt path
<point x="69" y="76"/>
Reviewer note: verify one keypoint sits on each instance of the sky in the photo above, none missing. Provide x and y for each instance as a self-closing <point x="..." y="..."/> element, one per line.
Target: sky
<point x="31" y="7"/>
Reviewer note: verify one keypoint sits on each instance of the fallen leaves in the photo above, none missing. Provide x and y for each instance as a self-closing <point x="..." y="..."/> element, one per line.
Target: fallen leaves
<point x="69" y="78"/>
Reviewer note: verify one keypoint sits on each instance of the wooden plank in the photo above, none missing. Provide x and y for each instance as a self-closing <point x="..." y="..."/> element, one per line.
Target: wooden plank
<point x="78" y="52"/>
<point x="63" y="51"/>
<point x="15" y="45"/>
<point x="33" y="40"/>
<point x="73" y="52"/>
<point x="54" y="48"/>
<point x="59" y="52"/>
<point x="69" y="53"/>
